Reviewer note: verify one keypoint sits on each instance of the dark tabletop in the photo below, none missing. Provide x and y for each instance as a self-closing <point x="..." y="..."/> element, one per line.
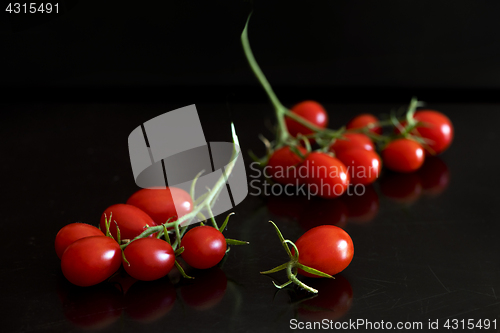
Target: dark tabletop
<point x="426" y="244"/>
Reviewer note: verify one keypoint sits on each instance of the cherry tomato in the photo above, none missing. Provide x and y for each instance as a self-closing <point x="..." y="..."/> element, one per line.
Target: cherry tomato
<point x="404" y="188"/>
<point x="363" y="166"/>
<point x="282" y="163"/>
<point x="352" y="140"/>
<point x="206" y="290"/>
<point x="147" y="302"/>
<point x="437" y="128"/>
<point x="362" y="208"/>
<point x="311" y="111"/>
<point x="364" y="120"/>
<point x="148" y="259"/>
<point x="73" y="232"/>
<point x="434" y="176"/>
<point x="91" y="260"/>
<point x="204" y="247"/>
<point x="321" y="211"/>
<point x="162" y="203"/>
<point x="403" y="155"/>
<point x="324" y="175"/>
<point x="130" y="219"/>
<point x="326" y="248"/>
<point x="332" y="302"/>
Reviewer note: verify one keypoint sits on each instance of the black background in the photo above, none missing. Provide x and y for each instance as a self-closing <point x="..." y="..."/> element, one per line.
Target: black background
<point x="76" y="84"/>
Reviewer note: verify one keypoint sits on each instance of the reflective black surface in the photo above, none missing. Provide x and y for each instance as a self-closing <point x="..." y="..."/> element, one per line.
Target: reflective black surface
<point x="426" y="244"/>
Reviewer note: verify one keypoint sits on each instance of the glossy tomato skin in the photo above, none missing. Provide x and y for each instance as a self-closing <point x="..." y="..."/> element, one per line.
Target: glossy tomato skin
<point x="91" y="260"/>
<point x="162" y="203"/>
<point x="364" y="120"/>
<point x="326" y="248"/>
<point x="130" y="219"/>
<point x="148" y="259"/>
<point x="281" y="165"/>
<point x="73" y="232"/>
<point x="311" y="111"/>
<point x="437" y="128"/>
<point x="403" y="155"/>
<point x="204" y="247"/>
<point x="352" y="140"/>
<point x="363" y="166"/>
<point x="324" y="175"/>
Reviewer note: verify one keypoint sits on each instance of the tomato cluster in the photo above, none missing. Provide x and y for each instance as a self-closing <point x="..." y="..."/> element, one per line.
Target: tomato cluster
<point x="91" y="255"/>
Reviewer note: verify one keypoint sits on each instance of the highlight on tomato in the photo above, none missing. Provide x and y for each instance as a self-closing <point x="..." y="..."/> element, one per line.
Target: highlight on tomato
<point x="436" y="128"/>
<point x="148" y="259"/>
<point x="311" y="111"/>
<point x="403" y="155"/>
<point x="130" y="220"/>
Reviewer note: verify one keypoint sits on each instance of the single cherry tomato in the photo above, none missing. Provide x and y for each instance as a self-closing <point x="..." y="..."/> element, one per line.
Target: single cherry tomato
<point x="403" y="155"/>
<point x="148" y="259"/>
<point x="282" y="165"/>
<point x="147" y="302"/>
<point x="204" y="247"/>
<point x="352" y="140"/>
<point x="403" y="188"/>
<point x="130" y="219"/>
<point x="437" y="128"/>
<point x="324" y="175"/>
<point x="73" y="232"/>
<point x="91" y="260"/>
<point x="311" y="111"/>
<point x="206" y="290"/>
<point x="364" y="120"/>
<point x="434" y="176"/>
<point x="326" y="248"/>
<point x="162" y="203"/>
<point x="363" y="166"/>
<point x="332" y="302"/>
<point x="321" y="211"/>
<point x="364" y="207"/>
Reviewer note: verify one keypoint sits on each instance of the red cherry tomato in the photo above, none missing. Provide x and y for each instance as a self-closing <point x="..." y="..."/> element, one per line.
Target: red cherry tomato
<point x="403" y="155"/>
<point x="326" y="248"/>
<point x="162" y="204"/>
<point x="147" y="302"/>
<point x="282" y="163"/>
<point x="322" y="211"/>
<point x="324" y="175"/>
<point x="364" y="120"/>
<point x="130" y="219"/>
<point x="204" y="247"/>
<point x="206" y="290"/>
<point x="352" y="140"/>
<point x="91" y="260"/>
<point x="437" y="128"/>
<point x="364" y="207"/>
<point x="363" y="166"/>
<point x="404" y="188"/>
<point x="148" y="259"/>
<point x="434" y="176"/>
<point x="311" y="111"/>
<point x="73" y="232"/>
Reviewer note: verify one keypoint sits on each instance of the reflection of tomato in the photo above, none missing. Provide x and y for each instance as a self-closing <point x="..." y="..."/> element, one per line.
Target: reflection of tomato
<point x="309" y="110"/>
<point x="400" y="187"/>
<point x="362" y="208"/>
<point x="206" y="290"/>
<point x="434" y="175"/>
<point x="122" y="281"/>
<point x="332" y="302"/>
<point x="91" y="308"/>
<point x="150" y="301"/>
<point x="323" y="211"/>
<point x="286" y="206"/>
<point x="162" y="204"/>
<point x="326" y="248"/>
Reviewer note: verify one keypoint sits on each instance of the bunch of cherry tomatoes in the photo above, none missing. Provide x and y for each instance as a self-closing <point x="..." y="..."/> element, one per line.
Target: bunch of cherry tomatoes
<point x="90" y="255"/>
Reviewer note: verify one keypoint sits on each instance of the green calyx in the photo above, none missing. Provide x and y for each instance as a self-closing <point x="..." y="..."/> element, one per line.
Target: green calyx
<point x="293" y="265"/>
